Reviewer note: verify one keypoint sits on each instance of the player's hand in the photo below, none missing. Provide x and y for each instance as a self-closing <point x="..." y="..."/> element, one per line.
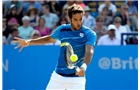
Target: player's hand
<point x="22" y="43"/>
<point x="81" y="72"/>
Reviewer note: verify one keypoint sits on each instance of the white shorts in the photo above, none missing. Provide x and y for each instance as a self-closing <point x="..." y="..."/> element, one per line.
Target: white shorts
<point x="65" y="83"/>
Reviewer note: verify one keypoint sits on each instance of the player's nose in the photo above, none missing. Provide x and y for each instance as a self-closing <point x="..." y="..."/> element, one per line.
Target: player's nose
<point x="79" y="23"/>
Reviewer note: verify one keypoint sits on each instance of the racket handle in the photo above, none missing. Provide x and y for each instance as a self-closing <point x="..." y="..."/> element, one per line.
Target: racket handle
<point x="77" y="69"/>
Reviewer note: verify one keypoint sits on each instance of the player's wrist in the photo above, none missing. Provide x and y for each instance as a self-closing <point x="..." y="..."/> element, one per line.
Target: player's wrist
<point x="84" y="66"/>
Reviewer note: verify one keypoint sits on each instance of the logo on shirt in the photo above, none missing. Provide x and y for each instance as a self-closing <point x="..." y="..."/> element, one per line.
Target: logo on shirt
<point x="81" y="35"/>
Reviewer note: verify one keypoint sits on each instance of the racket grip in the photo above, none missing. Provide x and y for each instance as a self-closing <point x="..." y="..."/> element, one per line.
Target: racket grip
<point x="77" y="69"/>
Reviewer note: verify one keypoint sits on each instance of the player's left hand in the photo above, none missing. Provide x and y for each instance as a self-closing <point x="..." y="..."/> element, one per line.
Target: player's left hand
<point x="81" y="72"/>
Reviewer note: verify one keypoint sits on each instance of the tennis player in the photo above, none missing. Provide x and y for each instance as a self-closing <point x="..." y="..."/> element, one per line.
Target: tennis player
<point x="81" y="38"/>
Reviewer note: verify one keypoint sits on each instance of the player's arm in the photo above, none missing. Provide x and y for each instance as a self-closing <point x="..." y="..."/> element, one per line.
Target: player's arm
<point x="41" y="40"/>
<point x="88" y="54"/>
<point x="87" y="58"/>
<point x="89" y="51"/>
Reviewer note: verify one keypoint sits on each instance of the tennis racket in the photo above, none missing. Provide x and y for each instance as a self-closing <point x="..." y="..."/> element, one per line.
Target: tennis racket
<point x="68" y="52"/>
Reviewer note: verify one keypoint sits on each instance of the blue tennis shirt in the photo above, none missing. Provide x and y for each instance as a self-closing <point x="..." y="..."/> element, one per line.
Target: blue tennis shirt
<point x="78" y="40"/>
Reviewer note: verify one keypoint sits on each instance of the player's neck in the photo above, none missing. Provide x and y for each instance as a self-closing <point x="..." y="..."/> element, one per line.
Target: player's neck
<point x="75" y="29"/>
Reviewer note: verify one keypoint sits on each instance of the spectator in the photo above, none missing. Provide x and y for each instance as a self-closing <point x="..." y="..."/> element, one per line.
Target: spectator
<point x="132" y="8"/>
<point x="65" y="8"/>
<point x="3" y="7"/>
<point x="107" y="20"/>
<point x="124" y="17"/>
<point x="42" y="1"/>
<point x="41" y="27"/>
<point x="3" y="40"/>
<point x="35" y="4"/>
<point x="12" y="18"/>
<point x="99" y="28"/>
<point x="17" y="3"/>
<point x="81" y="3"/>
<point x="62" y="20"/>
<point x="110" y="38"/>
<point x="55" y="7"/>
<point x="25" y="30"/>
<point x="88" y="20"/>
<point x="33" y="14"/>
<point x="69" y="3"/>
<point x="50" y="18"/>
<point x="5" y="28"/>
<point x="35" y="34"/>
<point x="133" y="14"/>
<point x="111" y="7"/>
<point x="119" y="28"/>
<point x="65" y="12"/>
<point x="11" y="37"/>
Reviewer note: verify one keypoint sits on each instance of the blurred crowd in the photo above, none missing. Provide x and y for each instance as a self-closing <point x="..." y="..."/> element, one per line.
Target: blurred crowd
<point x="33" y="19"/>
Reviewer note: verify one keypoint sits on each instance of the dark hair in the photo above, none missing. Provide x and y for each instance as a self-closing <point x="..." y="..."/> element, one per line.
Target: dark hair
<point x="14" y="29"/>
<point x="35" y="10"/>
<point x="46" y="6"/>
<point x="4" y="17"/>
<point x="105" y="8"/>
<point x="15" y="7"/>
<point x="75" y="9"/>
<point x="98" y="18"/>
<point x="61" y="18"/>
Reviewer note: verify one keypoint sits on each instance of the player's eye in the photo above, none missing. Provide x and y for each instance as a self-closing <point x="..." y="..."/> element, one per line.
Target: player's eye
<point x="75" y="19"/>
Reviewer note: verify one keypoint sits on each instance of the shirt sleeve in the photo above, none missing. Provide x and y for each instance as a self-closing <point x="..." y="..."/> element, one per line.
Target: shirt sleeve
<point x="91" y="39"/>
<point x="114" y="9"/>
<point x="135" y="10"/>
<point x="56" y="33"/>
<point x="101" y="7"/>
<point x="55" y="19"/>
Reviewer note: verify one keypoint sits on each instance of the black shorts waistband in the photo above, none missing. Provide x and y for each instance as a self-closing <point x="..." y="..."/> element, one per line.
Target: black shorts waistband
<point x="68" y="75"/>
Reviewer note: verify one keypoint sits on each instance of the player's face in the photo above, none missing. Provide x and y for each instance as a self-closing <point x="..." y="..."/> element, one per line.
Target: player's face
<point x="76" y="21"/>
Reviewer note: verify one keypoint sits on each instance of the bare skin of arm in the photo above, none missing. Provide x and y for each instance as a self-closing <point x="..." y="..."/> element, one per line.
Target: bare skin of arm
<point x="87" y="58"/>
<point x="42" y="40"/>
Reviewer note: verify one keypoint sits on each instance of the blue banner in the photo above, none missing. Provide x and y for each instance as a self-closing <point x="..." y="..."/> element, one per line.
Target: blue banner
<point x="112" y="68"/>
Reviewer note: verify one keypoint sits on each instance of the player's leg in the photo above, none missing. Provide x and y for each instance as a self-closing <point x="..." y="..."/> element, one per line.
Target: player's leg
<point x="53" y="85"/>
<point x="77" y="83"/>
<point x="56" y="82"/>
<point x="76" y="86"/>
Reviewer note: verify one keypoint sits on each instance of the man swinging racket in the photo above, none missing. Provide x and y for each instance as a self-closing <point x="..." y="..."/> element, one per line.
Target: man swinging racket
<point x="77" y="41"/>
